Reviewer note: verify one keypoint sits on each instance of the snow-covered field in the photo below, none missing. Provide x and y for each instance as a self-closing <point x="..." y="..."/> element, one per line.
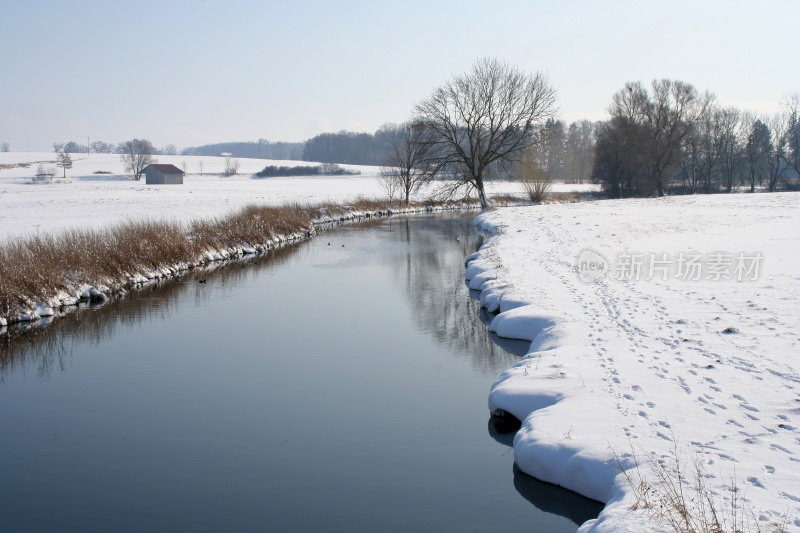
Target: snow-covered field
<point x="656" y="324"/>
<point x="86" y="199"/>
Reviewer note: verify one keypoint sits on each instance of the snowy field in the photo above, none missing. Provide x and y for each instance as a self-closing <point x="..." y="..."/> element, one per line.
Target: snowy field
<point x="656" y="325"/>
<point x="86" y="199"/>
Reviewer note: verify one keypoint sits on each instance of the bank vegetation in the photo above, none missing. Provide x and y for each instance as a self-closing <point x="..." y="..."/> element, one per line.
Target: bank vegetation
<point x="41" y="274"/>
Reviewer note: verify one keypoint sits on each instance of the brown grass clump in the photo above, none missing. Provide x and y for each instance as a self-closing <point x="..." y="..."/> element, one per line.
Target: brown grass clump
<point x="683" y="501"/>
<point x="252" y="225"/>
<point x="507" y="199"/>
<point x="566" y="197"/>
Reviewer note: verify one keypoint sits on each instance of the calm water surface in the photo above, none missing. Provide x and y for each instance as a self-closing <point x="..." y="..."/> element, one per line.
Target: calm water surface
<point x="339" y="386"/>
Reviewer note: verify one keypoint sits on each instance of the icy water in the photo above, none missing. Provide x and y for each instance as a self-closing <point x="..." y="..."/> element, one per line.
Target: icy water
<point x="339" y="386"/>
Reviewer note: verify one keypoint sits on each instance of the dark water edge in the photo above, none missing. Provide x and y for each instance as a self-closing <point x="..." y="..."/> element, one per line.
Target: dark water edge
<point x="209" y="406"/>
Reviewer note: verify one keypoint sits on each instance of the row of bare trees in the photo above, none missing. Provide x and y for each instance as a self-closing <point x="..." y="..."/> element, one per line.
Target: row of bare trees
<point x="670" y="137"/>
<point x="100" y="147"/>
<point x="663" y="138"/>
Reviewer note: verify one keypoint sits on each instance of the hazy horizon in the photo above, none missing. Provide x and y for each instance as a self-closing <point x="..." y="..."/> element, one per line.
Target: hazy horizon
<point x="191" y="73"/>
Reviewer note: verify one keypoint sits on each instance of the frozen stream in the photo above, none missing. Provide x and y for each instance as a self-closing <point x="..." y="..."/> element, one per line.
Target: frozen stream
<point x="339" y="386"/>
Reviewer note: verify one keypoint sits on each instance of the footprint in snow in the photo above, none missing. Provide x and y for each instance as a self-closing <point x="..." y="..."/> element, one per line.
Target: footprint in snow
<point x="755" y="482"/>
<point x="791" y="497"/>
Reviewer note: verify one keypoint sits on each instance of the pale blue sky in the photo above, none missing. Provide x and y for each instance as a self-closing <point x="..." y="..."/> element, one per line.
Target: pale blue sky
<point x="195" y="72"/>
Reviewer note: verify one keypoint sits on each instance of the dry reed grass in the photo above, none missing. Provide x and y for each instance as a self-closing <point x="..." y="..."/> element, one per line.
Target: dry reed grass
<point x="683" y="500"/>
<point x="37" y="268"/>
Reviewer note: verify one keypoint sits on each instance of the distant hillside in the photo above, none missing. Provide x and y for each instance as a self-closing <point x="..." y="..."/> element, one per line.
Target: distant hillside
<point x="353" y="148"/>
<point x="263" y="150"/>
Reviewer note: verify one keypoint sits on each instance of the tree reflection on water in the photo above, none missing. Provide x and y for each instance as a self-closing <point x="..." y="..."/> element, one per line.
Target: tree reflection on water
<point x="432" y="273"/>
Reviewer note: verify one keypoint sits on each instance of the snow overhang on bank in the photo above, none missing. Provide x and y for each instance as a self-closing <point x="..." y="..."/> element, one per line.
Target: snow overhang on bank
<point x="617" y="370"/>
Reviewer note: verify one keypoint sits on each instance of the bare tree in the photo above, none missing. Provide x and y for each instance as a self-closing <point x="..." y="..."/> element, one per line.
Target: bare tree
<point x="408" y="167"/>
<point x="100" y="147"/>
<point x="136" y="155"/>
<point x="483" y="117"/>
<point x="64" y="161"/>
<point x="619" y="163"/>
<point x="231" y="166"/>
<point x="668" y="112"/>
<point x="5" y="147"/>
<point x="389" y="180"/>
<point x="777" y="154"/>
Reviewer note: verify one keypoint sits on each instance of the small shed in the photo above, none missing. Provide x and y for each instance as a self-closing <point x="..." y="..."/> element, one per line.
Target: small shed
<point x="163" y="175"/>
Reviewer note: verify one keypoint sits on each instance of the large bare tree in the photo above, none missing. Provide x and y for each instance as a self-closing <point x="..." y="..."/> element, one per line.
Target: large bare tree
<point x="668" y="112"/>
<point x="136" y="155"/>
<point x="484" y="117"/>
<point x="408" y="166"/>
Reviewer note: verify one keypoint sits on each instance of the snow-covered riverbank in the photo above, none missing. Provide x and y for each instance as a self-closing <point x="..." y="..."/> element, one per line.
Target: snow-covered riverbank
<point x="656" y="325"/>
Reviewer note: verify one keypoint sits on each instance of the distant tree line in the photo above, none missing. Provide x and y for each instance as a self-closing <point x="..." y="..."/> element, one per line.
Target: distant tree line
<point x="669" y="138"/>
<point x="351" y="147"/>
<point x="566" y="153"/>
<point x="263" y="149"/>
<point x="100" y="147"/>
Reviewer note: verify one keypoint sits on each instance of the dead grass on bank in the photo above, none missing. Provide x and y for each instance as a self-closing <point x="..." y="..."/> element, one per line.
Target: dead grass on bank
<point x="681" y="498"/>
<point x="37" y="268"/>
<point x="252" y="225"/>
<point x="518" y="199"/>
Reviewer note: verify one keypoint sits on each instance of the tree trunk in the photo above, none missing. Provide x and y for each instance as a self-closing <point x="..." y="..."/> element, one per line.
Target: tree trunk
<point x="482" y="197"/>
